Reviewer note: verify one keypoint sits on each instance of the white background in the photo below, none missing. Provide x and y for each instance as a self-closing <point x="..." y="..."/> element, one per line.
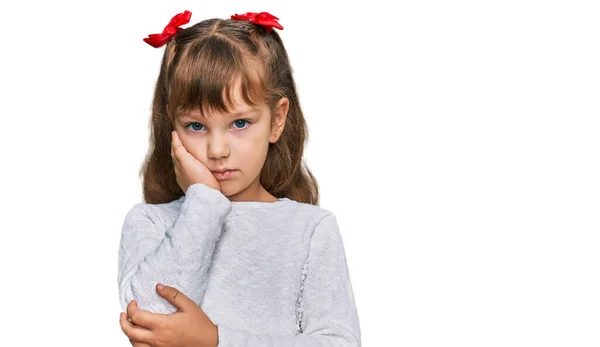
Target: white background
<point x="457" y="143"/>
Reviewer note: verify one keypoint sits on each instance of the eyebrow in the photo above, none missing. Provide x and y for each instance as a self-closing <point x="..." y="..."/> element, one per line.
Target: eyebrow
<point x="230" y="115"/>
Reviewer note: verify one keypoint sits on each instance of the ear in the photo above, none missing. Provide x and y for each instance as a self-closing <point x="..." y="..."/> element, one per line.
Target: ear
<point x="279" y="117"/>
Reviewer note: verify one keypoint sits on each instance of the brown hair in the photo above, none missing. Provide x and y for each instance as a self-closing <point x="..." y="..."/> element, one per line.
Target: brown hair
<point x="199" y="68"/>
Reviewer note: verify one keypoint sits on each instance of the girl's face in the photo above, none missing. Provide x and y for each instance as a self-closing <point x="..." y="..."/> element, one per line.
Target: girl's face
<point x="238" y="140"/>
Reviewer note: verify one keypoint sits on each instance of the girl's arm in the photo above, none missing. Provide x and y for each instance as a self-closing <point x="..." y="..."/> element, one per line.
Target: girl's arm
<point x="179" y="257"/>
<point x="330" y="316"/>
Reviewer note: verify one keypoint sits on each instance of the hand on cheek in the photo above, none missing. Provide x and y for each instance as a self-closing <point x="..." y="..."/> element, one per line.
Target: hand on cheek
<point x="188" y="169"/>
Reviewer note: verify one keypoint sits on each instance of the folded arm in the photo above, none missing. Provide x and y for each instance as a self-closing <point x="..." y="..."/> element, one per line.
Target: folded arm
<point x="179" y="256"/>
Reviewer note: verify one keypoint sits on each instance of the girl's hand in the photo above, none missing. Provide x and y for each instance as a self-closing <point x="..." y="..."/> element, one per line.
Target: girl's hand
<point x="189" y="326"/>
<point x="188" y="169"/>
<point x="138" y="344"/>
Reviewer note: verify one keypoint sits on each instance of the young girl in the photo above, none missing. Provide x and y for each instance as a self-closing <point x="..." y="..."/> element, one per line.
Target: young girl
<point x="231" y="224"/>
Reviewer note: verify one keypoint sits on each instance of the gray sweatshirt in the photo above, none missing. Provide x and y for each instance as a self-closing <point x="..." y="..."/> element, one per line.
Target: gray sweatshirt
<point x="266" y="273"/>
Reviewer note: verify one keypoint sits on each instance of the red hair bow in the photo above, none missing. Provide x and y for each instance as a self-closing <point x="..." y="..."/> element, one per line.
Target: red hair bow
<point x="265" y="19"/>
<point x="157" y="40"/>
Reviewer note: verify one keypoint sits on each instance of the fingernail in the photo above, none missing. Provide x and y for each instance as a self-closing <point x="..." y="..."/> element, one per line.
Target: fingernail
<point x="160" y="287"/>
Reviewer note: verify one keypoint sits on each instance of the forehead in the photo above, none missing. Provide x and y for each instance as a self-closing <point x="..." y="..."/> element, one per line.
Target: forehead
<point x="232" y="104"/>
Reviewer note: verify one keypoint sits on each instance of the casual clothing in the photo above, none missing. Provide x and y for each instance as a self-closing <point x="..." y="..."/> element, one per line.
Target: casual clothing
<point x="267" y="274"/>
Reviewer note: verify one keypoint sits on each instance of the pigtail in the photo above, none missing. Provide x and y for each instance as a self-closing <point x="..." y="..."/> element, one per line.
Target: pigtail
<point x="159" y="181"/>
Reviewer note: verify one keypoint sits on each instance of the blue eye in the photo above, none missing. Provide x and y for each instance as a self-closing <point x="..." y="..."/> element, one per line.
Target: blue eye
<point x="243" y="122"/>
<point x="198" y="124"/>
<point x="197" y="127"/>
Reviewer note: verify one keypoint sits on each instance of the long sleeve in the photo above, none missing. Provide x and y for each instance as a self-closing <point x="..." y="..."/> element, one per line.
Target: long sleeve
<point x="179" y="256"/>
<point x="330" y="316"/>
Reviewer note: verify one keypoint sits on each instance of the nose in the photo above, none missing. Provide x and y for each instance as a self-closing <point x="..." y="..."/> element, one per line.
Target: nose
<point x="217" y="146"/>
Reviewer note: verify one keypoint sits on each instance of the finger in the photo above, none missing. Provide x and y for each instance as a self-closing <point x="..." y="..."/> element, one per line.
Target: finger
<point x="173" y="136"/>
<point x="176" y="140"/>
<point x="175" y="297"/>
<point x="138" y="344"/>
<point x="142" y="318"/>
<point x="133" y="332"/>
<point x="173" y="158"/>
<point x="178" y="147"/>
<point x="173" y="143"/>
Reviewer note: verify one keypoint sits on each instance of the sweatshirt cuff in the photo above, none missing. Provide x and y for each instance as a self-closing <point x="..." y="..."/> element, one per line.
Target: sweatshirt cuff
<point x="212" y="197"/>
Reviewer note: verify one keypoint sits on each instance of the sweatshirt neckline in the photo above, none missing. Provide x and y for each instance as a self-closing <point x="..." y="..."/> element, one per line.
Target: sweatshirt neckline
<point x="260" y="204"/>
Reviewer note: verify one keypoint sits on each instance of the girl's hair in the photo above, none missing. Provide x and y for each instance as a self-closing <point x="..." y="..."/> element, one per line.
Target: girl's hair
<point x="200" y="67"/>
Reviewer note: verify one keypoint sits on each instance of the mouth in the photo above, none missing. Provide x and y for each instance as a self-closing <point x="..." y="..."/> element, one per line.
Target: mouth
<point x="223" y="175"/>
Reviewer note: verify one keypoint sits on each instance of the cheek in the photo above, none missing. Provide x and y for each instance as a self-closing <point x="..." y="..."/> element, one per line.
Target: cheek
<point x="254" y="151"/>
<point x="255" y="140"/>
<point x="261" y="139"/>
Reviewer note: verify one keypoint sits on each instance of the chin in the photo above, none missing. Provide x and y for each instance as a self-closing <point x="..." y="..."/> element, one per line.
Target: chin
<point x="227" y="188"/>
